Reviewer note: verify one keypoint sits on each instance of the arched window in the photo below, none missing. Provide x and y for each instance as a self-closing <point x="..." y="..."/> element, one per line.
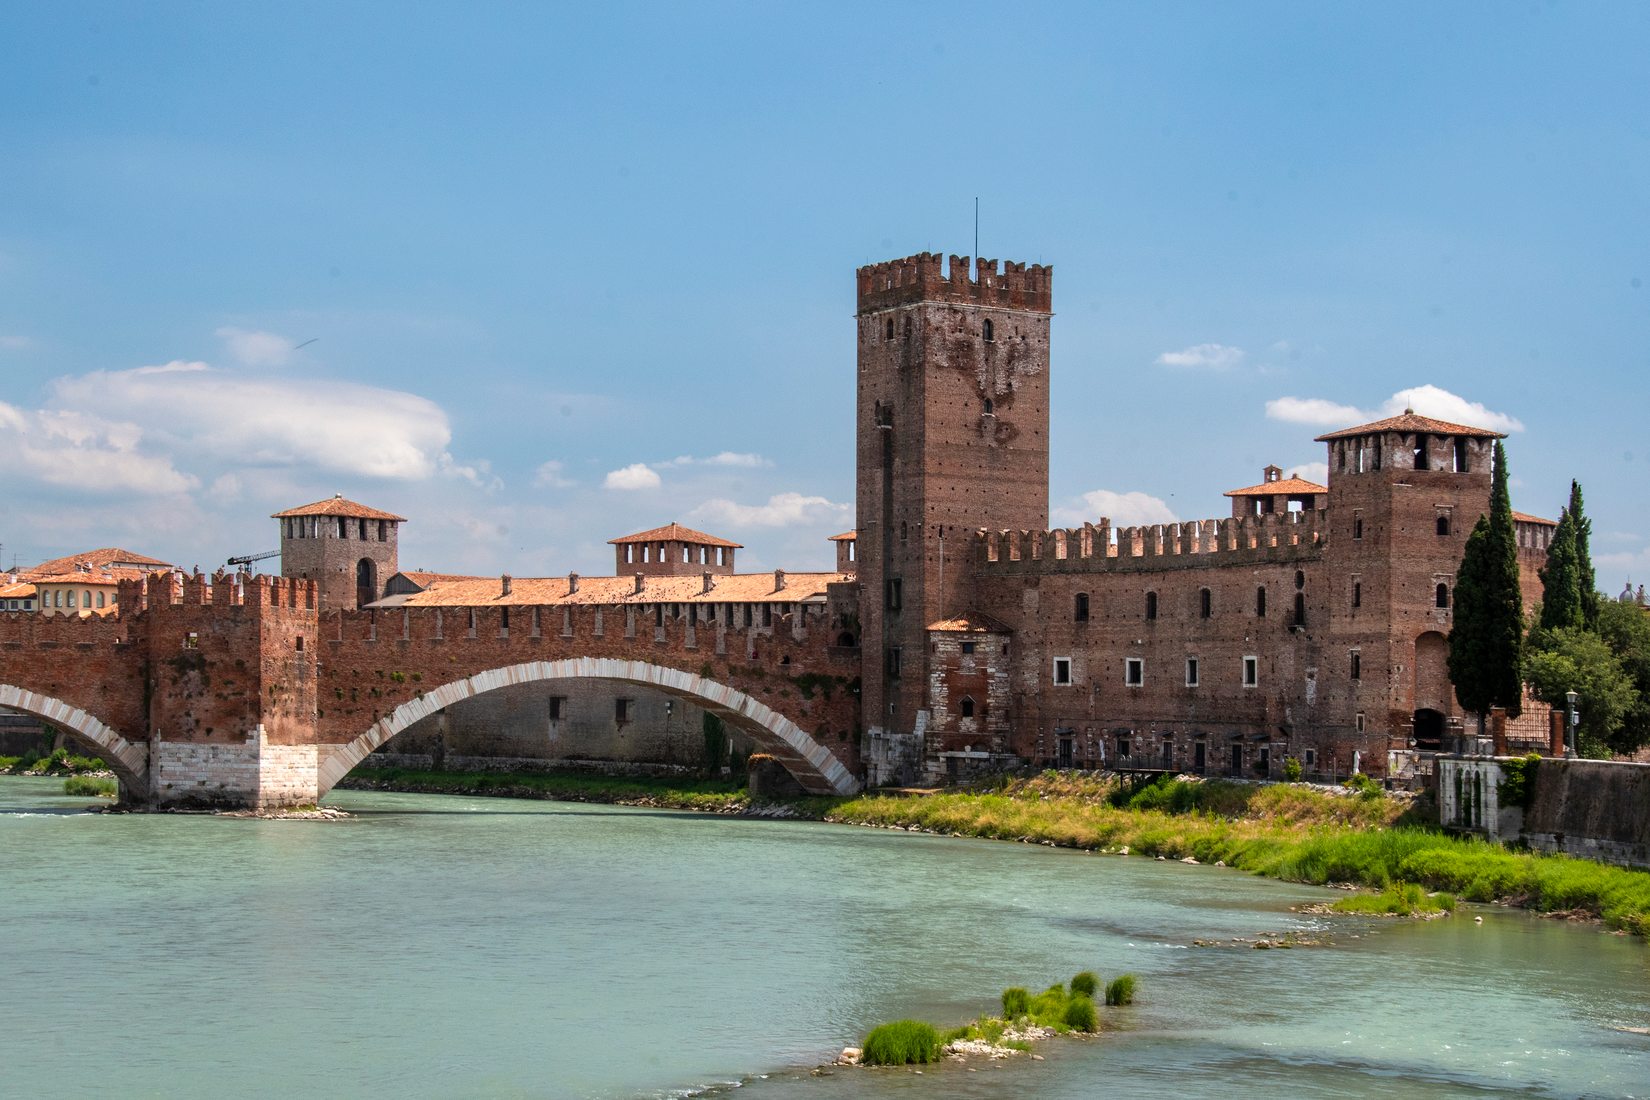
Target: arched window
<point x="1260" y="602"/>
<point x="888" y="333"/>
<point x="987" y="330"/>
<point x="1440" y="595"/>
<point x="1205" y="602"/>
<point x="1151" y="605"/>
<point x="1443" y="523"/>
<point x="1300" y="579"/>
<point x="1080" y="608"/>
<point x="967" y="708"/>
<point x="989" y="408"/>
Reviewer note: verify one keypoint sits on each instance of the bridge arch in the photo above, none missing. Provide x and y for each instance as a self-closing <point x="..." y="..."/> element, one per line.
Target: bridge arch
<point x="811" y="763"/>
<point x="129" y="761"/>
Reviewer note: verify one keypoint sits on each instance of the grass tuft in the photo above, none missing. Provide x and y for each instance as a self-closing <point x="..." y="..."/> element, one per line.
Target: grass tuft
<point x="91" y="786"/>
<point x="1120" y="990"/>
<point x="902" y="1043"/>
<point x="1085" y="984"/>
<point x="1016" y="1002"/>
<point x="1080" y="1015"/>
<point x="1400" y="899"/>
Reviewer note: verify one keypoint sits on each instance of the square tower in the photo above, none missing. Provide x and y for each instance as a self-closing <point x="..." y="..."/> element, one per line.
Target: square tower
<point x="347" y="549"/>
<point x="952" y="428"/>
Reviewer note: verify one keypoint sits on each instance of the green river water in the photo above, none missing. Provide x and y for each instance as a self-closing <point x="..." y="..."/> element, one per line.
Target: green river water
<point x="466" y="947"/>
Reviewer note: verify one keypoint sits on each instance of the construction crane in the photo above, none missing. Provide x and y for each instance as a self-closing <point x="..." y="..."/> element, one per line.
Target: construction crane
<point x="248" y="559"/>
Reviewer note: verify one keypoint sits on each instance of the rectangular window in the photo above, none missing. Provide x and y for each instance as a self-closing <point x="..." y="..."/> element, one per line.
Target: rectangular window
<point x="1123" y="747"/>
<point x="1191" y="672"/>
<point x="894" y="591"/>
<point x="1062" y="670"/>
<point x="967" y="648"/>
<point x="1358" y="721"/>
<point x="1357" y="592"/>
<point x="1357" y="665"/>
<point x="1251" y="671"/>
<point x="1080" y="608"/>
<point x="1311" y="757"/>
<point x="893" y="662"/>
<point x="383" y="531"/>
<point x="1357" y="527"/>
<point x="1134" y="671"/>
<point x="558" y="704"/>
<point x="621" y="710"/>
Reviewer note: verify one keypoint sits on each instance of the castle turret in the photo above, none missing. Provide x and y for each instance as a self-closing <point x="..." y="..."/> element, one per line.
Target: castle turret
<point x="952" y="424"/>
<point x="672" y="551"/>
<point x="347" y="549"/>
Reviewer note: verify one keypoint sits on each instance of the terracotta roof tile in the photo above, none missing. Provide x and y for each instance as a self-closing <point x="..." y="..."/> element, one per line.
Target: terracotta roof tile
<point x="675" y="532"/>
<point x="338" y="506"/>
<point x="1411" y="422"/>
<point x="844" y="537"/>
<point x="1289" y="486"/>
<point x="974" y="623"/>
<point x="1521" y="517"/>
<point x="98" y="559"/>
<point x="22" y="590"/>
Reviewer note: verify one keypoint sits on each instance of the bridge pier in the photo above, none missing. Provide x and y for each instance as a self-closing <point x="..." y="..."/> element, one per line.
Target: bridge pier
<point x="251" y="774"/>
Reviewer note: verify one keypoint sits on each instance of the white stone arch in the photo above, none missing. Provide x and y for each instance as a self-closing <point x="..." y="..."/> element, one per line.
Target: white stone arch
<point x="811" y="763"/>
<point x="129" y="761"/>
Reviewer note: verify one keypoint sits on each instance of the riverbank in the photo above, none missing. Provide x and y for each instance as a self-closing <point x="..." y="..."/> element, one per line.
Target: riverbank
<point x="1293" y="832"/>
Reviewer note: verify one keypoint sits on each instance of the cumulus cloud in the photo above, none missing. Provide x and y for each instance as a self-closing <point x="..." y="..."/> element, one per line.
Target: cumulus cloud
<point x="550" y="475"/>
<point x="726" y="458"/>
<point x="638" y="475"/>
<point x="1428" y="400"/>
<point x="255" y="349"/>
<point x="781" y="510"/>
<point x="1123" y="509"/>
<point x="86" y="453"/>
<point x="1316" y="472"/>
<point x="1204" y="356"/>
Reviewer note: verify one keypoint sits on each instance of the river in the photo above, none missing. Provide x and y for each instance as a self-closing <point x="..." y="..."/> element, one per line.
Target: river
<point x="434" y="946"/>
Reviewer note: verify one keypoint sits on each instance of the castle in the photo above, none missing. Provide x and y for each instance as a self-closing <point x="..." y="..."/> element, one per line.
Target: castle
<point x="1310" y="623"/>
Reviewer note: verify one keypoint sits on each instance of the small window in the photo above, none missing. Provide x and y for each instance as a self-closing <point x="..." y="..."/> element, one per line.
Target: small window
<point x="71" y="599"/>
<point x="1062" y="670"/>
<point x="343" y="530"/>
<point x="1459" y="455"/>
<point x="888" y="330"/>
<point x="361" y="530"/>
<point x="767" y="614"/>
<point x="1443" y="524"/>
<point x="1251" y="671"/>
<point x="891" y="662"/>
<point x="558" y="704"/>
<point x="1300" y="579"/>
<point x="504" y="619"/>
<point x="300" y="643"/>
<point x="1357" y="593"/>
<point x="1357" y="527"/>
<point x="100" y="599"/>
<point x="1356" y="665"/>
<point x="1440" y="595"/>
<point x="967" y="706"/>
<point x="383" y="530"/>
<point x="1359" y="722"/>
<point x="621" y="710"/>
<point x="1205" y="603"/>
<point x="1134" y="671"/>
<point x="1311" y="757"/>
<point x="894" y="591"/>
<point x="1260" y="602"/>
<point x="1123" y="747"/>
<point x="1151" y="605"/>
<point x="1420" y="451"/>
<point x="968" y="649"/>
<point x="1191" y="672"/>
<point x="988" y="330"/>
<point x="1080" y="607"/>
<point x="990" y="409"/>
<point x="1300" y="609"/>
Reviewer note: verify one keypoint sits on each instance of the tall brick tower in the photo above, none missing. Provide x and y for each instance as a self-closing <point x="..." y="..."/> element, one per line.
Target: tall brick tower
<point x="1404" y="494"/>
<point x="347" y="549"/>
<point x="952" y="428"/>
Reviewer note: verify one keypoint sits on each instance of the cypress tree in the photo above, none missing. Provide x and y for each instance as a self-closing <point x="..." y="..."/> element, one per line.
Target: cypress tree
<point x="1585" y="579"/>
<point x="1561" y="603"/>
<point x="1485" y="642"/>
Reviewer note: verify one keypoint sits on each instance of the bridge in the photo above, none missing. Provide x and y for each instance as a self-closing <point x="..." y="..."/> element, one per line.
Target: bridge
<point x="234" y="691"/>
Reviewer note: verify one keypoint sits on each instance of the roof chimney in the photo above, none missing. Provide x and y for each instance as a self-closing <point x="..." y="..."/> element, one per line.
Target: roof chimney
<point x="779" y="580"/>
<point x="709" y="584"/>
<point x="504" y="585"/>
<point x="572" y="583"/>
<point x="641" y="580"/>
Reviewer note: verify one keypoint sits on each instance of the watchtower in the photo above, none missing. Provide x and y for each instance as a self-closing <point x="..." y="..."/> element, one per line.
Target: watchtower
<point x="347" y="549"/>
<point x="1404" y="494"/>
<point x="952" y="426"/>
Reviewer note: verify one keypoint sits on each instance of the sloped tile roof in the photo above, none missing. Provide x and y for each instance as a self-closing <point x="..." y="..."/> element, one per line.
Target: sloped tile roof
<point x="1522" y="517"/>
<point x="1411" y="423"/>
<point x="338" y="506"/>
<point x="973" y="623"/>
<point x="614" y="591"/>
<point x="105" y="558"/>
<point x="1289" y="486"/>
<point x="675" y="532"/>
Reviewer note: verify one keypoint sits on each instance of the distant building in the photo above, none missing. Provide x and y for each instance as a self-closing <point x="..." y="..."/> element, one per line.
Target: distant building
<point x="348" y="549"/>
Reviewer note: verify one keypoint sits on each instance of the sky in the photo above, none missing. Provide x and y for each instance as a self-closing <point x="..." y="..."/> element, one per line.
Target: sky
<point x="538" y="275"/>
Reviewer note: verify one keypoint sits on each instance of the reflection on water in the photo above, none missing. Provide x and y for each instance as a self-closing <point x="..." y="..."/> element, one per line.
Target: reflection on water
<point x="458" y="947"/>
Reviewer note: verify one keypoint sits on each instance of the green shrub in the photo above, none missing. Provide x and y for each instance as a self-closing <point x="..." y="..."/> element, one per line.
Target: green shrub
<point x="1364" y="786"/>
<point x="1016" y="1002"/>
<point x="902" y="1043"/>
<point x="1120" y="990"/>
<point x="1291" y="769"/>
<point x="1081" y="1016"/>
<point x="1401" y="899"/>
<point x="91" y="787"/>
<point x="1085" y="984"/>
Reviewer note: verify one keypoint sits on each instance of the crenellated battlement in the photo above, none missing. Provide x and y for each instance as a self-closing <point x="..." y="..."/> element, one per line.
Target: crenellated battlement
<point x="927" y="277"/>
<point x="221" y="589"/>
<point x="1280" y="536"/>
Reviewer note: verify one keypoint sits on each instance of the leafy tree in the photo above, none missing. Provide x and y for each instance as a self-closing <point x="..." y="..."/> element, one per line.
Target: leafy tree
<point x="716" y="743"/>
<point x="1561" y="605"/>
<point x="1626" y="630"/>
<point x="1486" y="641"/>
<point x="1571" y="659"/>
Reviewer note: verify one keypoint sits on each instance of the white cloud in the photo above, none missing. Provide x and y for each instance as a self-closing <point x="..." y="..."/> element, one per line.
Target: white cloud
<point x="726" y="458"/>
<point x="781" y="510"/>
<point x="12" y="342"/>
<point x="86" y="453"/>
<point x="550" y="475"/>
<point x="478" y="472"/>
<point x="256" y="349"/>
<point x="1123" y="509"/>
<point x="1316" y="472"/>
<point x="1206" y="356"/>
<point x="1315" y="411"/>
<point x="637" y="475"/>
<point x="1618" y="567"/>
<point x="1428" y="400"/>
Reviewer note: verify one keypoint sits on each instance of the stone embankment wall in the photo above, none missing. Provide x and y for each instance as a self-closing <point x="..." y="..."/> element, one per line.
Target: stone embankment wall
<point x="1599" y="809"/>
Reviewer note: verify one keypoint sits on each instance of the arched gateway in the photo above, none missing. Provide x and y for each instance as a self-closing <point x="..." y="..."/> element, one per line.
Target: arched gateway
<point x="129" y="762"/>
<point x="810" y="763"/>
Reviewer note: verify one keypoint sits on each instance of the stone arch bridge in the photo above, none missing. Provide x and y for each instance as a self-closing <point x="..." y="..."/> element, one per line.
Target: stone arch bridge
<point x="233" y="691"/>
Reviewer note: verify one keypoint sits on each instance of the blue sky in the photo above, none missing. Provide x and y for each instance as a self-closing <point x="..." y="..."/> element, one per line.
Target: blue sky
<point x="574" y="271"/>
